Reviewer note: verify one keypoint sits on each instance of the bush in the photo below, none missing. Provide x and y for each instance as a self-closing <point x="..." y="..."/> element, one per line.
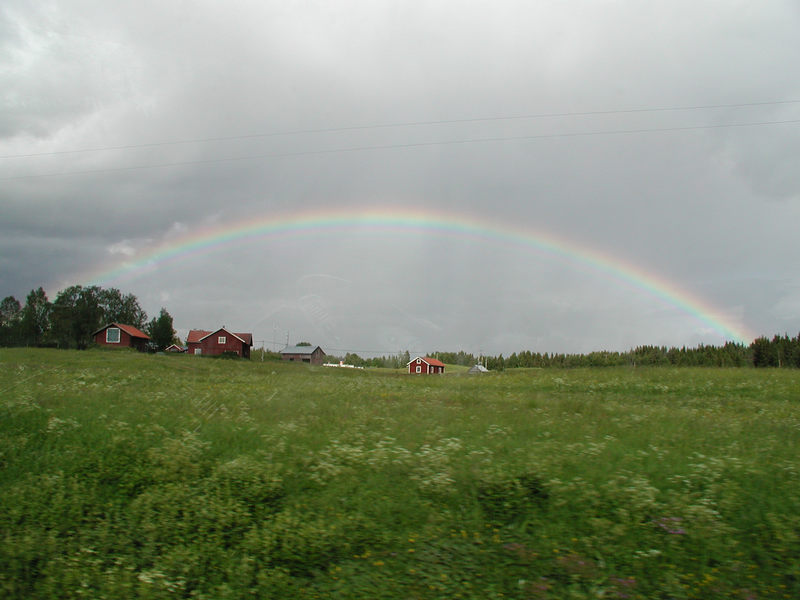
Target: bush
<point x="506" y="500"/>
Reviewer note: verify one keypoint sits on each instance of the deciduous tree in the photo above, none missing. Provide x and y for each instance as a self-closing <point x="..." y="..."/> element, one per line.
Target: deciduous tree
<point x="77" y="313"/>
<point x="119" y="308"/>
<point x="35" y="323"/>
<point x="10" y="319"/>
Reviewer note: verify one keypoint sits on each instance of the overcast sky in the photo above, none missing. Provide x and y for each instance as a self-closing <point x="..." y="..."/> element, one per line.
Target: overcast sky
<point x="125" y="126"/>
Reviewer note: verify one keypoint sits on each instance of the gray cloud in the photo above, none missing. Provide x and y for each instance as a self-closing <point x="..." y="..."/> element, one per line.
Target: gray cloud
<point x="710" y="209"/>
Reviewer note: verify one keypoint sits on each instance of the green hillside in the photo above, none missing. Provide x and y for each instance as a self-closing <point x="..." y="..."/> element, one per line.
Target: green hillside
<point x="125" y="475"/>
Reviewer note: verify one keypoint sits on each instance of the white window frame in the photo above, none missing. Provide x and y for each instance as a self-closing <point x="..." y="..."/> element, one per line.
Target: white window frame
<point x="419" y="369"/>
<point x="108" y="337"/>
<point x="198" y="350"/>
<point x="222" y="339"/>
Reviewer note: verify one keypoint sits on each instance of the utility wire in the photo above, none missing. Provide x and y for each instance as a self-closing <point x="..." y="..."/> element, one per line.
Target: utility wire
<point x="343" y="150"/>
<point x="382" y="352"/>
<point x="400" y="124"/>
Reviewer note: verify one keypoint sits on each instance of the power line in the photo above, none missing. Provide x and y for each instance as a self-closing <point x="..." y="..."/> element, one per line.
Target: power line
<point x="344" y="150"/>
<point x="400" y="124"/>
<point x="386" y="353"/>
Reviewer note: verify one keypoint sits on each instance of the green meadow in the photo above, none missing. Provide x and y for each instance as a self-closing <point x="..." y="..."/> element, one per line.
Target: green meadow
<point x="125" y="475"/>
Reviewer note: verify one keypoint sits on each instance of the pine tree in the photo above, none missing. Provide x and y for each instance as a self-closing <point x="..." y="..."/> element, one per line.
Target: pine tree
<point x="160" y="330"/>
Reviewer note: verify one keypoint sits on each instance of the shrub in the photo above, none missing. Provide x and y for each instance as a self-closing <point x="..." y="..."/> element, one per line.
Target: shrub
<point x="249" y="481"/>
<point x="505" y="500"/>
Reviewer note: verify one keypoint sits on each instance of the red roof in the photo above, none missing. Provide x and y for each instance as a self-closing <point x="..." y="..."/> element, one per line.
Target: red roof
<point x="431" y="361"/>
<point x="129" y="329"/>
<point x="197" y="335"/>
<point x="247" y="338"/>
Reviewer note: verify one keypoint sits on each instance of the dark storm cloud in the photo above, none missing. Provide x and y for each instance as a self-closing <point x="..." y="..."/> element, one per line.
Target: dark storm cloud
<point x="152" y="90"/>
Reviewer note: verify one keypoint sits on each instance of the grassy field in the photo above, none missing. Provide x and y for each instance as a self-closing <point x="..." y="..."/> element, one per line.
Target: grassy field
<point x="148" y="476"/>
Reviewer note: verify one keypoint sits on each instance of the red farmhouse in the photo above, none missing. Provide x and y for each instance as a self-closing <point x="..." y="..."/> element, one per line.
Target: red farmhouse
<point x="121" y="336"/>
<point x="425" y="365"/>
<point x="212" y="343"/>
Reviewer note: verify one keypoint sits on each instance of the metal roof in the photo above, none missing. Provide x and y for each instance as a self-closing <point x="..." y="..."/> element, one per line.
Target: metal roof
<point x="301" y="350"/>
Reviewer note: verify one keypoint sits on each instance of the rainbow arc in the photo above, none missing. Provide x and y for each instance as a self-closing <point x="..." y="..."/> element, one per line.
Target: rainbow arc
<point x="431" y="223"/>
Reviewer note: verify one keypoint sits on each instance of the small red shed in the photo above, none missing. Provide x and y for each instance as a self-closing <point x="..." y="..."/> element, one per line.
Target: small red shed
<point x="118" y="335"/>
<point x="213" y="343"/>
<point x="425" y="365"/>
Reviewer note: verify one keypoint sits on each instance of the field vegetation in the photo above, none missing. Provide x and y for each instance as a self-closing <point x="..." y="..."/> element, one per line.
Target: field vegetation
<point x="126" y="475"/>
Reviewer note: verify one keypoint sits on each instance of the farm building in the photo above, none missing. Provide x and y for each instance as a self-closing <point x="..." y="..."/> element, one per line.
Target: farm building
<point x="477" y="370"/>
<point x="121" y="336"/>
<point x="213" y="343"/>
<point x="425" y="365"/>
<point x="307" y="354"/>
<point x="174" y="348"/>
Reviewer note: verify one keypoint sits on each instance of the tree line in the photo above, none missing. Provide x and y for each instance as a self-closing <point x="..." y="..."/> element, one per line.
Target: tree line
<point x="76" y="313"/>
<point x="780" y="351"/>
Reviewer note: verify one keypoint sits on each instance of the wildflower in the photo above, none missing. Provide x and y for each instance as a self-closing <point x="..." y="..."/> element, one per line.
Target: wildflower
<point x="669" y="524"/>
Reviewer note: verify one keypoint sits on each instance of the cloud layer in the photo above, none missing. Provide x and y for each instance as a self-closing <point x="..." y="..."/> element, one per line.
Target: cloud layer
<point x="664" y="135"/>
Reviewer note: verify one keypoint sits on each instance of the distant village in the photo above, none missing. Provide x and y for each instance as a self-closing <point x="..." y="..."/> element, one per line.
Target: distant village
<point x="221" y="342"/>
<point x="781" y="351"/>
<point x="80" y="317"/>
<point x="75" y="320"/>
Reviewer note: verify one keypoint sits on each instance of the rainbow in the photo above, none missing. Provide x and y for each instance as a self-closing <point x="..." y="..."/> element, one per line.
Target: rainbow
<point x="211" y="239"/>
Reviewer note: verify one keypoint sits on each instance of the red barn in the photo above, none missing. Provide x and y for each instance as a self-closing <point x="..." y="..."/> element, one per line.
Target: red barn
<point x="117" y="335"/>
<point x="212" y="343"/>
<point x="425" y="365"/>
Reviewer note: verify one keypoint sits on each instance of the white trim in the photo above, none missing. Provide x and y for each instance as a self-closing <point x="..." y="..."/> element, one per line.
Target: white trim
<point x="226" y="331"/>
<point x="418" y="360"/>
<point x="119" y="335"/>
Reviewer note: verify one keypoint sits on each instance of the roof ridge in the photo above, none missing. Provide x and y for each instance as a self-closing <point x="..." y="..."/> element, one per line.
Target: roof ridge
<point x="129" y="329"/>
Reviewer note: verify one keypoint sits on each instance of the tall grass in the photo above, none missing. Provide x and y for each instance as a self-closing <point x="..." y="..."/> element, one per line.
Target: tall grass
<point x="127" y="475"/>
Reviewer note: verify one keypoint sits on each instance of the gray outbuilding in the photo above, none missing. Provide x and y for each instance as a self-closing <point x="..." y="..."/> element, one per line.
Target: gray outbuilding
<point x="306" y="354"/>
